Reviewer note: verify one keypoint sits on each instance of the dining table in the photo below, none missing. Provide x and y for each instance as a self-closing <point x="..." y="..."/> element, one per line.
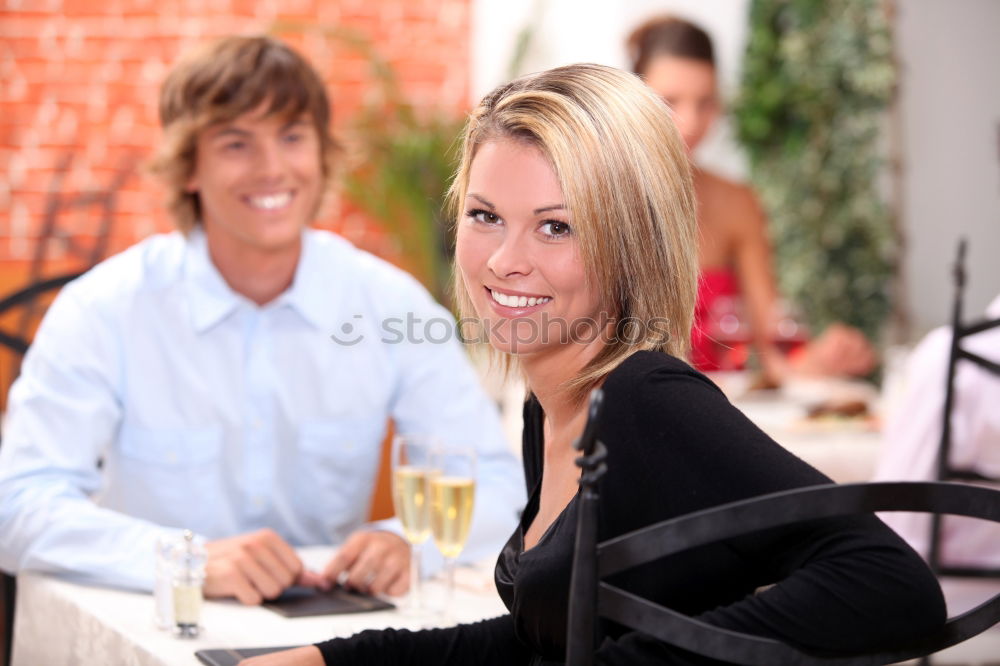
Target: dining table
<point x="59" y="621"/>
<point x="62" y="622"/>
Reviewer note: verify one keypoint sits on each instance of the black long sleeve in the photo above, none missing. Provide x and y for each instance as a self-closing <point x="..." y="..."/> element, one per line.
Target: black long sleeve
<point x="489" y="642"/>
<point x="676" y="445"/>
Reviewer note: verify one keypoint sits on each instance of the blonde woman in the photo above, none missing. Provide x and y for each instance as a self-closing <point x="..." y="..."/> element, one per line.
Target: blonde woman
<point x="576" y="254"/>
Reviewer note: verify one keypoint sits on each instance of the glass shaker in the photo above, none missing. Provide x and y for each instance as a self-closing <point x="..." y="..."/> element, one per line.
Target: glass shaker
<point x="189" y="559"/>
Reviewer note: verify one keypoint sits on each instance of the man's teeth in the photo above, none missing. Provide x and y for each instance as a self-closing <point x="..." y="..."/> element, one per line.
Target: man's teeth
<point x="271" y="201"/>
<point x="512" y="301"/>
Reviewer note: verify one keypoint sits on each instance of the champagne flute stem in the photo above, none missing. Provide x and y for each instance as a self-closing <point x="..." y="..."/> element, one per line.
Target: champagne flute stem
<point x="416" y="599"/>
<point x="449" y="605"/>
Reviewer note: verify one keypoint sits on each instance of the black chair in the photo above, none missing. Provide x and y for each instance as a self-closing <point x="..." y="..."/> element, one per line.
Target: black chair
<point x="945" y="470"/>
<point x="591" y="598"/>
<point x="8" y="588"/>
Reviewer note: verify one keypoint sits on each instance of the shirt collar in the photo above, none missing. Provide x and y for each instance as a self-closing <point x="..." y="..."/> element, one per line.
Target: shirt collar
<point x="212" y="300"/>
<point x="311" y="292"/>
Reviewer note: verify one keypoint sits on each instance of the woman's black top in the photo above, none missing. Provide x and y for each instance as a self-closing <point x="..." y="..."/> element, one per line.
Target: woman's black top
<point x="676" y="445"/>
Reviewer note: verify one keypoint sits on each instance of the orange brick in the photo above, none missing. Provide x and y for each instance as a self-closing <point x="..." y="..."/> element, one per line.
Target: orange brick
<point x="70" y="66"/>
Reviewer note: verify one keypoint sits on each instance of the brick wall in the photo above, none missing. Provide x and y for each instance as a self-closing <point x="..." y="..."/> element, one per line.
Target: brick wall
<point x="78" y="94"/>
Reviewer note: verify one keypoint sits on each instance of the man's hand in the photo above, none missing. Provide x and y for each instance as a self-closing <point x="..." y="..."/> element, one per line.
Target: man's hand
<point x="374" y="562"/>
<point x="253" y="567"/>
<point x="303" y="656"/>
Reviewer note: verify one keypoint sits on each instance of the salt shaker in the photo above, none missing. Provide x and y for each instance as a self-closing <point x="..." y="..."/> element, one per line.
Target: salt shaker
<point x="188" y="576"/>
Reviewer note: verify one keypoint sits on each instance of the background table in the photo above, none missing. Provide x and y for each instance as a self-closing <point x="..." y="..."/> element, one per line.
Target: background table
<point x="60" y="622"/>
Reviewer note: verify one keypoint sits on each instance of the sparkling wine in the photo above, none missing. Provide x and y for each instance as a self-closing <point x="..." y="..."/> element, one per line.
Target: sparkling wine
<point x="411" y="497"/>
<point x="451" y="512"/>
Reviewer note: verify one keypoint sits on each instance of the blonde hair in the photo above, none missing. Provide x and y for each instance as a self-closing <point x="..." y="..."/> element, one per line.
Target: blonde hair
<point x="626" y="181"/>
<point x="220" y="82"/>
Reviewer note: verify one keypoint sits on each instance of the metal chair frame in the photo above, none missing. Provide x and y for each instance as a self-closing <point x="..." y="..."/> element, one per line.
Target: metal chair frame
<point x="945" y="470"/>
<point x="590" y="597"/>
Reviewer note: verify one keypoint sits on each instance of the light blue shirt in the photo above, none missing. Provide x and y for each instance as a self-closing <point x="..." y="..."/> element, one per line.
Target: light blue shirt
<point x="211" y="413"/>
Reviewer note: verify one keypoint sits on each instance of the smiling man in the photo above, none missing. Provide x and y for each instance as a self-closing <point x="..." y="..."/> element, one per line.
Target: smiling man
<point x="196" y="380"/>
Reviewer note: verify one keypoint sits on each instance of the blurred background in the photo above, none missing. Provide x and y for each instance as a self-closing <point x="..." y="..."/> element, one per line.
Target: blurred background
<point x="78" y="118"/>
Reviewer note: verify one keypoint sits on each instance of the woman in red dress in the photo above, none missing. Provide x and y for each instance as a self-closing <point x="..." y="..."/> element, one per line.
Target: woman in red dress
<point x="737" y="286"/>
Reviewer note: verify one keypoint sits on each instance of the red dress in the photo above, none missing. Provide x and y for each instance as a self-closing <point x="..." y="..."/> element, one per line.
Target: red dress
<point x="719" y="336"/>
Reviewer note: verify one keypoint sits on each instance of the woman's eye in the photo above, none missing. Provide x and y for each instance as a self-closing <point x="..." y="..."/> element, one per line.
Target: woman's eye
<point x="234" y="145"/>
<point x="294" y="137"/>
<point x="483" y="216"/>
<point x="555" y="228"/>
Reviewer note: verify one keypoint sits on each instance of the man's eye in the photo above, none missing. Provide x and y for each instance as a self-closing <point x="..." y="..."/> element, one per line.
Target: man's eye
<point x="555" y="228"/>
<point x="294" y="137"/>
<point x="235" y="145"/>
<point x="483" y="216"/>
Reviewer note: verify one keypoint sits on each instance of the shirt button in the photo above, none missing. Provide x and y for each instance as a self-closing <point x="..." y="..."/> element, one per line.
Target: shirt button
<point x="258" y="501"/>
<point x="256" y="424"/>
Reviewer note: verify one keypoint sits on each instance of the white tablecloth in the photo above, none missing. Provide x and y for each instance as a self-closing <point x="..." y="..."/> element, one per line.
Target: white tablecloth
<point x="63" y="623"/>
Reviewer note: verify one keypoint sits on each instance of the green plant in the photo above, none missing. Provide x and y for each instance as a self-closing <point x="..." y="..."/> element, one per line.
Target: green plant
<point x="817" y="78"/>
<point x="402" y="181"/>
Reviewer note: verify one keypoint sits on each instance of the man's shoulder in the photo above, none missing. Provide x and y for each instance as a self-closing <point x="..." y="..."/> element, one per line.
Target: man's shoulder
<point x="150" y="264"/>
<point x="362" y="269"/>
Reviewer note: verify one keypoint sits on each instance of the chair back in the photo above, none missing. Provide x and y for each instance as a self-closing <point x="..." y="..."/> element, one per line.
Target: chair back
<point x="946" y="471"/>
<point x="591" y="598"/>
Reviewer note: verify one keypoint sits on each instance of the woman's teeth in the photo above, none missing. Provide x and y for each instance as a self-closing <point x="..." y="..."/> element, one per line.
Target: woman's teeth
<point x="511" y="301"/>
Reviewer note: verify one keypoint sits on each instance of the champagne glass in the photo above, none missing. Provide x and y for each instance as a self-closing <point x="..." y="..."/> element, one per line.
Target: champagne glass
<point x="412" y="459"/>
<point x="453" y="489"/>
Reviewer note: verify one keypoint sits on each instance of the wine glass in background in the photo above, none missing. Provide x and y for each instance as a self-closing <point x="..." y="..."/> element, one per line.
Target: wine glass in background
<point x="453" y="489"/>
<point x="412" y="469"/>
<point x="730" y="330"/>
<point x="789" y="332"/>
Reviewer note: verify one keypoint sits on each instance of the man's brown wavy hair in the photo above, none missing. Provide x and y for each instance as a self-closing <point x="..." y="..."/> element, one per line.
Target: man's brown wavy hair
<point x="220" y="82"/>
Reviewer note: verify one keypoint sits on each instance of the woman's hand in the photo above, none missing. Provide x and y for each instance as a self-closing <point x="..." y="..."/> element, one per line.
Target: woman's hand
<point x="840" y="351"/>
<point x="303" y="656"/>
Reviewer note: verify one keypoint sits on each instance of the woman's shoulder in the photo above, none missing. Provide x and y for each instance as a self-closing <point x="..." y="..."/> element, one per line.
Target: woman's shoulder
<point x="647" y="373"/>
<point x="729" y="209"/>
<point x="718" y="185"/>
<point x="660" y="414"/>
<point x="647" y="361"/>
